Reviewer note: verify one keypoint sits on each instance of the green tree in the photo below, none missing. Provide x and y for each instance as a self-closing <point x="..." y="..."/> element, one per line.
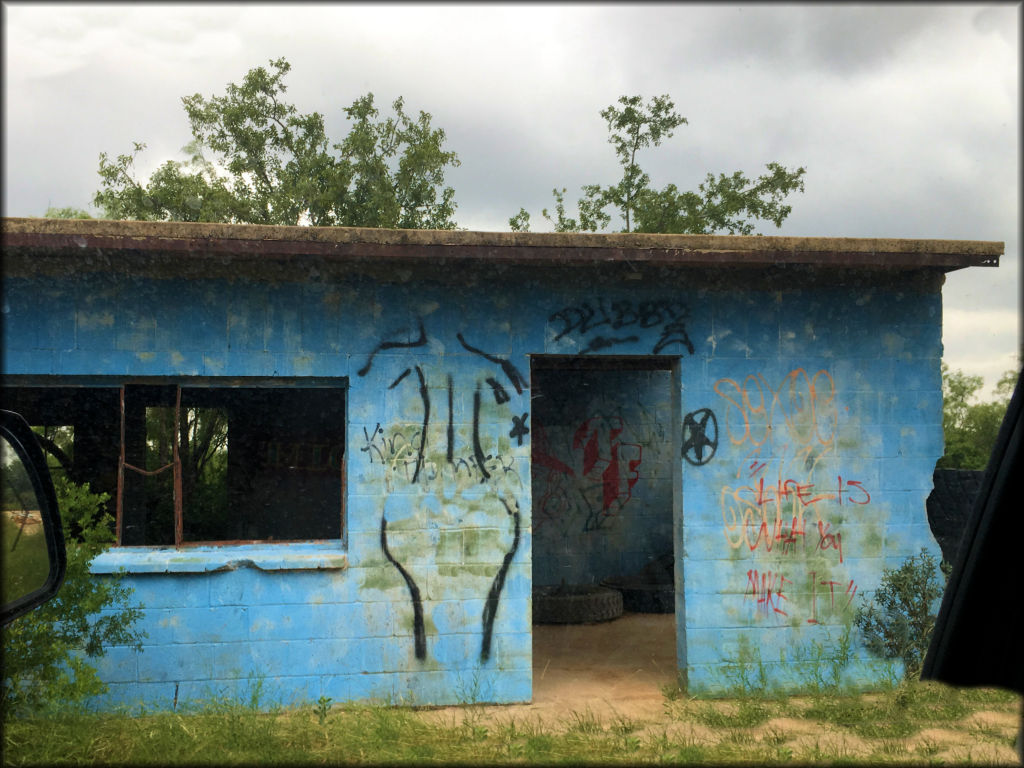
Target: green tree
<point x="66" y="212"/>
<point x="201" y="437"/>
<point x="256" y="159"/>
<point x="47" y="651"/>
<point x="970" y="429"/>
<point x="726" y="203"/>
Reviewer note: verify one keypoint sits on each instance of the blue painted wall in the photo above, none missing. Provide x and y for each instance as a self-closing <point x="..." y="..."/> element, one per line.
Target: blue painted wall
<point x="826" y="402"/>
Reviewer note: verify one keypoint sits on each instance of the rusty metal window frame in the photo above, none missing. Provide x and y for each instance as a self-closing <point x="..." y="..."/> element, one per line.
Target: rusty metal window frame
<point x="121" y="383"/>
<point x="175" y="465"/>
<point x="219" y="382"/>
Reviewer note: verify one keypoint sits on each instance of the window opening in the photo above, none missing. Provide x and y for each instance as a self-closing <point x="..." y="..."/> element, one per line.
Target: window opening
<point x="203" y="460"/>
<point x="76" y="427"/>
<point x="232" y="464"/>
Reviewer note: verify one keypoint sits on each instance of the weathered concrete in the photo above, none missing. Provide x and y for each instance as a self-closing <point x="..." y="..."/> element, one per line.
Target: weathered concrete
<point x="803" y="411"/>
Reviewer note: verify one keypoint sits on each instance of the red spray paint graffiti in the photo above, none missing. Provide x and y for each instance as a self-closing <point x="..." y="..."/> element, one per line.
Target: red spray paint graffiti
<point x="756" y="516"/>
<point x="617" y="486"/>
<point x="767" y="588"/>
<point x="595" y="480"/>
<point x="788" y="432"/>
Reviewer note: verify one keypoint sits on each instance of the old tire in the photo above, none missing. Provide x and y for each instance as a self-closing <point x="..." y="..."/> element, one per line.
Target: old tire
<point x="647" y="598"/>
<point x="575" y="604"/>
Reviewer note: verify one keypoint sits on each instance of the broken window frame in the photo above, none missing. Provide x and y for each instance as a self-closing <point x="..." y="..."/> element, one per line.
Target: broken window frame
<point x="336" y="384"/>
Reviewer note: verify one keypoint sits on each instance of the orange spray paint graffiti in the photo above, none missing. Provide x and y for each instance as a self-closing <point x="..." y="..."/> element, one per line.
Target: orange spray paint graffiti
<point x="780" y="504"/>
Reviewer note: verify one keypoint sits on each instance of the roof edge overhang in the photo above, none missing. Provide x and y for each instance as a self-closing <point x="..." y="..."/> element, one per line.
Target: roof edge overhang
<point x="198" y="241"/>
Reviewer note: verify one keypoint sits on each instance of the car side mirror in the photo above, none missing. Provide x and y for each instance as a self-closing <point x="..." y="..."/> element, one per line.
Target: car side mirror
<point x="33" y="557"/>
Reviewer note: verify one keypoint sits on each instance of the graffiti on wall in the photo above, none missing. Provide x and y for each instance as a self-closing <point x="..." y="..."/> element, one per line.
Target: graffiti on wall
<point x="768" y="590"/>
<point x="397" y="445"/>
<point x="782" y="503"/>
<point x="801" y="406"/>
<point x="786" y="430"/>
<point x="700" y="436"/>
<point x="592" y="478"/>
<point x="494" y="593"/>
<point x="409" y="456"/>
<point x="601" y="324"/>
<point x="399" y="452"/>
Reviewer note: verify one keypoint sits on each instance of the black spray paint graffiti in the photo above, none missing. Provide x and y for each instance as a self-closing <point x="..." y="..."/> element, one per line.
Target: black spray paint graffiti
<point x="491" y="606"/>
<point x="507" y="367"/>
<point x="668" y="315"/>
<point x="500" y="396"/>
<point x="519" y="429"/>
<point x="700" y="436"/>
<point x="418" y="631"/>
<point x="385" y="345"/>
<point x="393" y="452"/>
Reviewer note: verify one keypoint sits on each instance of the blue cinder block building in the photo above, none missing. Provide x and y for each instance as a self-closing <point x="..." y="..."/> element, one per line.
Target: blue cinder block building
<point x="342" y="459"/>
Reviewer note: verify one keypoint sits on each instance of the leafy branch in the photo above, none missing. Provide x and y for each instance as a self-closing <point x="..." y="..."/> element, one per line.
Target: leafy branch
<point x="723" y="203"/>
<point x="272" y="164"/>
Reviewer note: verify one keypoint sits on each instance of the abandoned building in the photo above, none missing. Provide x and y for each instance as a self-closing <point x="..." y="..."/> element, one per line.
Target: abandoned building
<point x="345" y="459"/>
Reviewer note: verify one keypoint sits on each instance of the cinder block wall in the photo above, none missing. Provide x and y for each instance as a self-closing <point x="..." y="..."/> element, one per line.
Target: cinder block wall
<point x="810" y="423"/>
<point x="828" y="407"/>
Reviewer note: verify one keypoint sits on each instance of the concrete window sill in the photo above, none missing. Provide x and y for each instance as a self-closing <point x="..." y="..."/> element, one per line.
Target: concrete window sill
<point x="284" y="556"/>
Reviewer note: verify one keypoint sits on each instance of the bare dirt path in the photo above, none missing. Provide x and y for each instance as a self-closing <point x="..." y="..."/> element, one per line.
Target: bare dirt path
<point x="611" y="669"/>
<point x="621" y="670"/>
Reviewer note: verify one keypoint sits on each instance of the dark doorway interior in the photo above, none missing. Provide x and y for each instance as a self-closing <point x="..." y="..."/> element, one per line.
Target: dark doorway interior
<point x="602" y="458"/>
<point x="605" y="481"/>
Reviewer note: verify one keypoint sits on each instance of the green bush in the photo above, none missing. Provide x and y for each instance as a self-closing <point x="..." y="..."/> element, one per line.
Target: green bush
<point x="898" y="622"/>
<point x="47" y="651"/>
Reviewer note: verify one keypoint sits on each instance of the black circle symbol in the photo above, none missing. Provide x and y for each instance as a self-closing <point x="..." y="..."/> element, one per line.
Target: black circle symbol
<point x="699" y="441"/>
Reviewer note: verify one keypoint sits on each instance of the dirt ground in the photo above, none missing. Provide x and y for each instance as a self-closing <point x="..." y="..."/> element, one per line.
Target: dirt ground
<point x="610" y="669"/>
<point x="616" y="667"/>
<point x="621" y="669"/>
<point x="31" y="520"/>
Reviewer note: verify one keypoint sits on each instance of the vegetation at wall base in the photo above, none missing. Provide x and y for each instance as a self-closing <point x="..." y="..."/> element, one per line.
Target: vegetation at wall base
<point x="913" y="723"/>
<point x="897" y="621"/>
<point x="47" y="652"/>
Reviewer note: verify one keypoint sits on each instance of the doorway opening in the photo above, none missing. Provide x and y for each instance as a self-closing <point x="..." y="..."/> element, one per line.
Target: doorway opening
<point x="605" y="475"/>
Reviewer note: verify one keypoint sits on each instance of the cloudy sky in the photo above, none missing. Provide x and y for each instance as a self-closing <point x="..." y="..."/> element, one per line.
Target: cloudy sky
<point x="907" y="118"/>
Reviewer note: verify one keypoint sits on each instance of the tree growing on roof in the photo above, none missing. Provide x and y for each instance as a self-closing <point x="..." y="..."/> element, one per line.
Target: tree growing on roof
<point x="256" y="159"/>
<point x="727" y="204"/>
<point x="67" y="212"/>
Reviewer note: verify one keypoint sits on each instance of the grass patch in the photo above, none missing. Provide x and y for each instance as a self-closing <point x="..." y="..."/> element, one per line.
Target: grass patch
<point x="745" y="713"/>
<point x="868" y="719"/>
<point x="724" y="731"/>
<point x="927" y="748"/>
<point x="774" y="736"/>
<point x="585" y="722"/>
